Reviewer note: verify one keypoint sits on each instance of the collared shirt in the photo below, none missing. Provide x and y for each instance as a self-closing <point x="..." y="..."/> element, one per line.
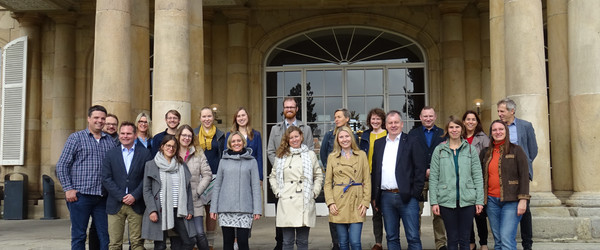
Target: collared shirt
<point x="512" y="130"/>
<point x="287" y="125"/>
<point x="428" y="135"/>
<point x="127" y="158"/>
<point x="388" y="168"/>
<point x="80" y="164"/>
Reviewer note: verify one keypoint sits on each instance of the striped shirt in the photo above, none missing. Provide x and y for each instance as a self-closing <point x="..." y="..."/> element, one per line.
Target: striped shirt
<point x="80" y="164"/>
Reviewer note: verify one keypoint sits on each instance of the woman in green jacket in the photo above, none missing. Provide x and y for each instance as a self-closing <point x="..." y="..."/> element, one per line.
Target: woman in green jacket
<point x="456" y="184"/>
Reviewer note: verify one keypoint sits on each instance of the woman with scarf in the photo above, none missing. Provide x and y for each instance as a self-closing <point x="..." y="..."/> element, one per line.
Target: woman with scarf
<point x="201" y="177"/>
<point x="168" y="198"/>
<point x="236" y="196"/>
<point x="241" y="123"/>
<point x="212" y="141"/>
<point x="347" y="188"/>
<point x="296" y="179"/>
<point x="506" y="185"/>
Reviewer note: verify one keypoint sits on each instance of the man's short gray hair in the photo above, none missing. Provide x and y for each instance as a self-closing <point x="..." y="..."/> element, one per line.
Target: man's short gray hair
<point x="510" y="104"/>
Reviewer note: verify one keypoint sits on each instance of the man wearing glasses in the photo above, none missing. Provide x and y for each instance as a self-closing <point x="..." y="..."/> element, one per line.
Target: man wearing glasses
<point x="172" y="118"/>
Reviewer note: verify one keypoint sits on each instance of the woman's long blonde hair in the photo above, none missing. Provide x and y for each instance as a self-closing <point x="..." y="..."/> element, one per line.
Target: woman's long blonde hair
<point x="337" y="149"/>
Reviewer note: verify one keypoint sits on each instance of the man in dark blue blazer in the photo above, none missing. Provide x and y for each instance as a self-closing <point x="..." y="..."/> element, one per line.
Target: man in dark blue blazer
<point x="397" y="183"/>
<point x="122" y="176"/>
<point x="521" y="133"/>
<point x="426" y="138"/>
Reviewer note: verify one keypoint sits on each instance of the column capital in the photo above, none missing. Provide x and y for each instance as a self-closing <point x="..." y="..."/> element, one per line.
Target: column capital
<point x="28" y="19"/>
<point x="64" y="18"/>
<point x="237" y="15"/>
<point x="452" y="6"/>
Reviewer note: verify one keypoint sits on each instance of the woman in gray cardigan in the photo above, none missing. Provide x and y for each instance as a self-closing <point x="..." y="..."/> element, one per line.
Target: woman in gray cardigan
<point x="167" y="195"/>
<point x="239" y="201"/>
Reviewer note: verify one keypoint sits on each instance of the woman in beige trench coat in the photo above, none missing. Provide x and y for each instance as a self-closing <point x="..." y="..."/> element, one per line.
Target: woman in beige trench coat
<point x="347" y="188"/>
<point x="296" y="179"/>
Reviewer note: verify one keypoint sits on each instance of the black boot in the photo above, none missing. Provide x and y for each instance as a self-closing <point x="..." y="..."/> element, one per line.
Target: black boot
<point x="202" y="242"/>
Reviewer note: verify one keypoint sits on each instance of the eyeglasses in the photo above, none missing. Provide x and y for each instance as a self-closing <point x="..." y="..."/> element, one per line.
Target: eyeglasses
<point x="169" y="146"/>
<point x="289" y="107"/>
<point x="187" y="136"/>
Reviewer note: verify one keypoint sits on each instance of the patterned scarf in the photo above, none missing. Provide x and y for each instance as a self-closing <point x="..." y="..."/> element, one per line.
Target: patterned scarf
<point x="166" y="184"/>
<point x="205" y="138"/>
<point x="307" y="172"/>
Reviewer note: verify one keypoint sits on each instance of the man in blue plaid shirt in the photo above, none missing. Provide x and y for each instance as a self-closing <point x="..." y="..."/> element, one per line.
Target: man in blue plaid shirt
<point x="79" y="171"/>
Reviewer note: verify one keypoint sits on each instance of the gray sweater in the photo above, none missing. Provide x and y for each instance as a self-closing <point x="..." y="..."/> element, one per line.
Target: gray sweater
<point x="237" y="185"/>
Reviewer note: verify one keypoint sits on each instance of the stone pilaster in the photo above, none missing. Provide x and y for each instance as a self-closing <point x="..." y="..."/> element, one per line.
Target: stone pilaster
<point x="219" y="66"/>
<point x="453" y="64"/>
<point x="196" y="76"/>
<point x="30" y="27"/>
<point x="486" y="85"/>
<point x="140" y="57"/>
<point x="171" y="62"/>
<point x="63" y="115"/>
<point x="208" y="16"/>
<point x="112" y="57"/>
<point x="526" y="85"/>
<point x="237" y="61"/>
<point x="558" y="79"/>
<point x="472" y="53"/>
<point x="497" y="58"/>
<point x="584" y="91"/>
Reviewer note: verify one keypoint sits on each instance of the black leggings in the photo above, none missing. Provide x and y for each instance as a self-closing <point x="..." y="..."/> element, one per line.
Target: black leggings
<point x="229" y="236"/>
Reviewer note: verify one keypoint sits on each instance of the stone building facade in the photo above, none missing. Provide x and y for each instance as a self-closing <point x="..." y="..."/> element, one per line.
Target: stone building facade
<point x="141" y="55"/>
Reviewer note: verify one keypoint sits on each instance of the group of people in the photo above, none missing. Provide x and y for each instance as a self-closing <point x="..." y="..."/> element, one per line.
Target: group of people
<point x="172" y="184"/>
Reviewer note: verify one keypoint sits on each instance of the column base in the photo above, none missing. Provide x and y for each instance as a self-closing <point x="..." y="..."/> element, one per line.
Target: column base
<point x="584" y="199"/>
<point x="544" y="199"/>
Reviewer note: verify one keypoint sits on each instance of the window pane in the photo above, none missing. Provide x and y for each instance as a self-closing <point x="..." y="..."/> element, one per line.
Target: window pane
<point x="374" y="82"/>
<point x="356" y="82"/>
<point x="292" y="83"/>
<point x="416" y="81"/>
<point x="274" y="110"/>
<point x="331" y="104"/>
<point x="415" y="104"/>
<point x="372" y="102"/>
<point x="356" y="105"/>
<point x="314" y="79"/>
<point x="396" y="81"/>
<point x="333" y="82"/>
<point x="398" y="102"/>
<point x="272" y="83"/>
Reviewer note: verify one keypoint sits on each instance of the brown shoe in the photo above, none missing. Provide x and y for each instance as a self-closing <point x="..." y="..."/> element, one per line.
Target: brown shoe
<point x="376" y="247"/>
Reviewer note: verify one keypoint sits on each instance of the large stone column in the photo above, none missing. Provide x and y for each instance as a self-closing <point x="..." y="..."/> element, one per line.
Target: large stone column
<point x="472" y="52"/>
<point x="63" y="115"/>
<point x="453" y="64"/>
<point x="171" y="89"/>
<point x="140" y="57"/>
<point x="30" y="27"/>
<point x="526" y="85"/>
<point x="497" y="74"/>
<point x="208" y="16"/>
<point x="237" y="61"/>
<point x="196" y="76"/>
<point x="584" y="90"/>
<point x="558" y="79"/>
<point x="486" y="85"/>
<point x="112" y="59"/>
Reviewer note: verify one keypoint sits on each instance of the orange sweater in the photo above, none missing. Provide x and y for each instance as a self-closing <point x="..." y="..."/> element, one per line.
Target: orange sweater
<point x="494" y="172"/>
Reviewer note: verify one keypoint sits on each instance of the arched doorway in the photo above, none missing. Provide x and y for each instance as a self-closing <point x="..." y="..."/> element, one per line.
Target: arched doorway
<point x="358" y="68"/>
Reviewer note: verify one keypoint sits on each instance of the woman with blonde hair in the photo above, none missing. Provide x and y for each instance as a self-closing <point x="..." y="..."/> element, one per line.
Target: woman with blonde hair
<point x="144" y="131"/>
<point x="201" y="177"/>
<point x="236" y="194"/>
<point x="347" y="188"/>
<point x="296" y="179"/>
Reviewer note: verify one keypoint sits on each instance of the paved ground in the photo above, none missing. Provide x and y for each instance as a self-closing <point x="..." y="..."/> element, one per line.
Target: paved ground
<point x="54" y="234"/>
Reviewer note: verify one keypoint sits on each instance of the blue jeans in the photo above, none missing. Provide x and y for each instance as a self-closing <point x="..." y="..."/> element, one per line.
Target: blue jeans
<point x="394" y="210"/>
<point x="298" y="235"/>
<point x="504" y="222"/>
<point x="80" y="212"/>
<point x="349" y="235"/>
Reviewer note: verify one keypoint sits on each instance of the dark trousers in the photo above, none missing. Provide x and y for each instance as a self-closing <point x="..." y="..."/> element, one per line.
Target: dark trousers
<point x="482" y="228"/>
<point x="183" y="241"/>
<point x="334" y="235"/>
<point x="94" y="242"/>
<point x="526" y="229"/>
<point x="229" y="236"/>
<point x="458" y="222"/>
